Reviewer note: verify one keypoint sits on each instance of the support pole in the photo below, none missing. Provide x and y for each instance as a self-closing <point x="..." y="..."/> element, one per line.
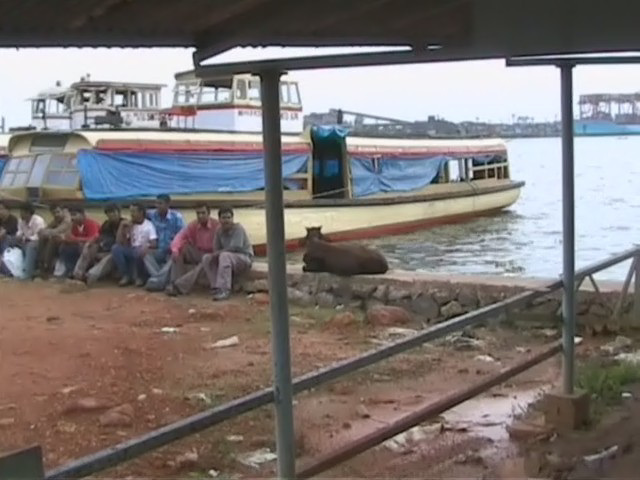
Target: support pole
<point x="279" y="306"/>
<point x="636" y="292"/>
<point x="568" y="229"/>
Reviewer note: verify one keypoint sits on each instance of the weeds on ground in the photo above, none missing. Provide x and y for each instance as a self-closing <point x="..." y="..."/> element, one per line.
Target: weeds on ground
<point x="606" y="382"/>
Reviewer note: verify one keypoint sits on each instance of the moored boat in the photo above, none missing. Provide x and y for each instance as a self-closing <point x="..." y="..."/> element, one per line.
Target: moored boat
<point x="354" y="187"/>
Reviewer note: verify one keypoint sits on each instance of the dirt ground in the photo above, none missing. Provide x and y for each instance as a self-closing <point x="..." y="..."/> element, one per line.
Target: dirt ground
<point x="68" y="355"/>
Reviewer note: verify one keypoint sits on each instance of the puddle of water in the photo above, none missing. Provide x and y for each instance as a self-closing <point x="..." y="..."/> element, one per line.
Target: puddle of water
<point x="488" y="417"/>
<point x="481" y="418"/>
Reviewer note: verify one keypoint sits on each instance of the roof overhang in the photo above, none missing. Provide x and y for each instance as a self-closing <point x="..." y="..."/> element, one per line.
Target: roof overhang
<point x="466" y="29"/>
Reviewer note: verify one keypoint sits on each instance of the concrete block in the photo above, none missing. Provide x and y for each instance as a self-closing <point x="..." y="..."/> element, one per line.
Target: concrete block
<point x="566" y="412"/>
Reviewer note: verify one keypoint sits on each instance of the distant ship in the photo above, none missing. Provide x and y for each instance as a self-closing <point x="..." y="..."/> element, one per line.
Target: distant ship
<point x="608" y="114"/>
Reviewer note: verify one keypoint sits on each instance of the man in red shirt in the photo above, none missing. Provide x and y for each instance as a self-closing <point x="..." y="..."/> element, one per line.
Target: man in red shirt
<point x="189" y="247"/>
<point x="83" y="230"/>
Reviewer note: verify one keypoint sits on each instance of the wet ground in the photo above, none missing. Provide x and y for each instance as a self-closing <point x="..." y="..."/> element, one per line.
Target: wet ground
<point x="82" y="370"/>
<point x="73" y="356"/>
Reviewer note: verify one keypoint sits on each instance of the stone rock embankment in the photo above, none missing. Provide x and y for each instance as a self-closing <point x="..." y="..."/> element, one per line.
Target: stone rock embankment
<point x="430" y="300"/>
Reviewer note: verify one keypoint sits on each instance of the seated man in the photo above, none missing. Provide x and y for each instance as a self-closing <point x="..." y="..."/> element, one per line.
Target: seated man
<point x="189" y="247"/>
<point x="232" y="255"/>
<point x="168" y="223"/>
<point x="8" y="227"/>
<point x="99" y="248"/>
<point x="27" y="238"/>
<point x="135" y="240"/>
<point x="83" y="231"/>
<point x="50" y="239"/>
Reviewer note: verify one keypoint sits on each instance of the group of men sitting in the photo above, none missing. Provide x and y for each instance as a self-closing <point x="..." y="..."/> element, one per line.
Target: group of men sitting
<point x="150" y="249"/>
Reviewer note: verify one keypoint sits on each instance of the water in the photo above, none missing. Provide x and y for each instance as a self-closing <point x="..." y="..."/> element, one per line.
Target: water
<point x="526" y="240"/>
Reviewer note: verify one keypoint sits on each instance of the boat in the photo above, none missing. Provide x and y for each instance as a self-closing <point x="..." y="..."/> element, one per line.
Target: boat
<point x="94" y="104"/>
<point x="353" y="187"/>
<point x="606" y="114"/>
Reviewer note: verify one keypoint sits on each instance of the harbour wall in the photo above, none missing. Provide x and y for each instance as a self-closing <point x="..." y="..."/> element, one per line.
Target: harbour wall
<point x="432" y="298"/>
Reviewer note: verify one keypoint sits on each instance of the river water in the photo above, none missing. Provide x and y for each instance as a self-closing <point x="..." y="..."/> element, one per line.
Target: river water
<point x="526" y="240"/>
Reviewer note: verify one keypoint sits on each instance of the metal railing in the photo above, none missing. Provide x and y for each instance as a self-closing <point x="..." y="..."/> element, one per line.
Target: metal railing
<point x="135" y="447"/>
<point x="588" y="272"/>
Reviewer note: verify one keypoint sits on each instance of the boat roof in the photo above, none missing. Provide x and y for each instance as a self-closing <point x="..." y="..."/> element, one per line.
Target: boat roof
<point x="101" y="84"/>
<point x="140" y="138"/>
<point x="378" y="145"/>
<point x="193" y="140"/>
<point x="50" y="92"/>
<point x="221" y="81"/>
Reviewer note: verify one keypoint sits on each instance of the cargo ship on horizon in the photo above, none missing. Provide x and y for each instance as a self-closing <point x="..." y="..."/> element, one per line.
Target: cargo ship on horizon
<point x="607" y="114"/>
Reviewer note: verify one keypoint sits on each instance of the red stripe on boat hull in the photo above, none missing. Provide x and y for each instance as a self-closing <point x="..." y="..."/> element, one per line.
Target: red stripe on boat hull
<point x="385" y="230"/>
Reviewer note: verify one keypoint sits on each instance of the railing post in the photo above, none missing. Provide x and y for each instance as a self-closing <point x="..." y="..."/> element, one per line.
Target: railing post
<point x="279" y="303"/>
<point x="636" y="291"/>
<point x="568" y="229"/>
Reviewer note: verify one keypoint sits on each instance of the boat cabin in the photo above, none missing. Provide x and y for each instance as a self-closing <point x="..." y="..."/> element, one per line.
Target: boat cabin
<point x="92" y="104"/>
<point x="50" y="109"/>
<point x="230" y="103"/>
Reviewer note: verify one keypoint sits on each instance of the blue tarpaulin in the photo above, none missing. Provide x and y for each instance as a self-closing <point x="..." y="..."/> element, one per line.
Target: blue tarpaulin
<point x="3" y="162"/>
<point x="393" y="173"/>
<point x="123" y="175"/>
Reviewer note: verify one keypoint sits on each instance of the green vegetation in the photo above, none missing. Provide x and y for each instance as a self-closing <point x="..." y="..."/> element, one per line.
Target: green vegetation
<point x="606" y="382"/>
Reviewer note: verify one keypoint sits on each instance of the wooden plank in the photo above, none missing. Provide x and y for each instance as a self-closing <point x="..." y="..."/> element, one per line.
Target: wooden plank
<point x="22" y="464"/>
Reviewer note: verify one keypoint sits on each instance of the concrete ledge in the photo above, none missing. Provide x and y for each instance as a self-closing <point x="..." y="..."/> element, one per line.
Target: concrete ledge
<point x="532" y="283"/>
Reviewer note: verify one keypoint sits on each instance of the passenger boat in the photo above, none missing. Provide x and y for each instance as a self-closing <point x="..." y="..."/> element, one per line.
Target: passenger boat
<point x="354" y="187"/>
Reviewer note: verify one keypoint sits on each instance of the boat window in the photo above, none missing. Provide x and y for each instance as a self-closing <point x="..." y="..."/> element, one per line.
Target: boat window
<point x="241" y="89"/>
<point x="208" y="95"/>
<point x="37" y="107"/>
<point x="294" y="96"/>
<point x="121" y="98"/>
<point x="16" y="172"/>
<point x="223" y="95"/>
<point x="56" y="105"/>
<point x="284" y="92"/>
<point x="39" y="168"/>
<point x="101" y="97"/>
<point x="62" y="172"/>
<point x="86" y="96"/>
<point x="133" y="96"/>
<point x="254" y="90"/>
<point x="40" y="143"/>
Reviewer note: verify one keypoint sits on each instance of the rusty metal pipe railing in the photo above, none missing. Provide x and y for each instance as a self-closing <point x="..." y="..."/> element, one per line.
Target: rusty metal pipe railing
<point x="364" y="443"/>
<point x="135" y="447"/>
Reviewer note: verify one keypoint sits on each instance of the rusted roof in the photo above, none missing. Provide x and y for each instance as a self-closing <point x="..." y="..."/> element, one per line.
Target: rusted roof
<point x="484" y="27"/>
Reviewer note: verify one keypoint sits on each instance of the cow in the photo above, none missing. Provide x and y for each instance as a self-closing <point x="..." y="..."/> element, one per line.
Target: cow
<point x="341" y="259"/>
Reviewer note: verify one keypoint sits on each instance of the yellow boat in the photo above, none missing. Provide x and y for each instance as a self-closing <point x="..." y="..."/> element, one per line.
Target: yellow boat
<point x="354" y="187"/>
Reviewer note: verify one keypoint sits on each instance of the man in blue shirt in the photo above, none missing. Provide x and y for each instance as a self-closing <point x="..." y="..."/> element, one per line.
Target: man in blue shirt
<point x="168" y="223"/>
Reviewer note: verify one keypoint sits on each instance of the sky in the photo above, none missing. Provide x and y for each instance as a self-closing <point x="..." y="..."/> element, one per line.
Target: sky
<point x="478" y="90"/>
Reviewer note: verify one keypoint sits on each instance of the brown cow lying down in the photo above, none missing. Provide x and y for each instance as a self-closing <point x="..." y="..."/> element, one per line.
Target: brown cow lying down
<point x="340" y="259"/>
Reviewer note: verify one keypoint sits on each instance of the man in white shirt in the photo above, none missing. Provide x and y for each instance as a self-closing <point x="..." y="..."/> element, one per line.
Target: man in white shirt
<point x="135" y="239"/>
<point x="29" y="227"/>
